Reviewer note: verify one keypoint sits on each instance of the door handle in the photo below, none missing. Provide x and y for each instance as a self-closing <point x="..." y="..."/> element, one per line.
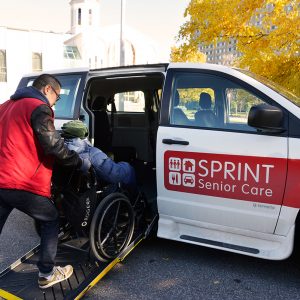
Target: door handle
<point x="177" y="142"/>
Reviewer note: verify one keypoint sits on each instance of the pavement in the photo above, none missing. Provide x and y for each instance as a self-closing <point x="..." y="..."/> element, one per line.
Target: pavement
<point x="163" y="269"/>
<point x="17" y="238"/>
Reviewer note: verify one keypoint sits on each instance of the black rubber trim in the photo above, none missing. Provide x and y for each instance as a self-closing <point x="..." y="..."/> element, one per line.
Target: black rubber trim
<point x="294" y="126"/>
<point x="220" y="244"/>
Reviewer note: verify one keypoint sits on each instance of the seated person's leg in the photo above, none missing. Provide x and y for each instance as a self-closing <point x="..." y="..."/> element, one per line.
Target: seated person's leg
<point x="110" y="171"/>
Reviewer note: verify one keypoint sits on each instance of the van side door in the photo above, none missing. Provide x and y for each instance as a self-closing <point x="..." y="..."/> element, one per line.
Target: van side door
<point x="213" y="169"/>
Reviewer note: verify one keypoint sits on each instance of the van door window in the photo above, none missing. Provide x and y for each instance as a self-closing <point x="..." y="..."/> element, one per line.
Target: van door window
<point x="129" y="102"/>
<point x="64" y="108"/>
<point x="238" y="103"/>
<point x="196" y="101"/>
<point x="187" y="103"/>
<point x="210" y="101"/>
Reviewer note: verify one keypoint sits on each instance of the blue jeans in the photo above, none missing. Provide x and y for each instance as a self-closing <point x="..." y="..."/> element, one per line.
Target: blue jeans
<point x="44" y="212"/>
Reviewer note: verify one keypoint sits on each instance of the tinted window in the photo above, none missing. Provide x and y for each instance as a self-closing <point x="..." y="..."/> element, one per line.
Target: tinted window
<point x="238" y="102"/>
<point x="64" y="108"/>
<point x="129" y="102"/>
<point x="205" y="100"/>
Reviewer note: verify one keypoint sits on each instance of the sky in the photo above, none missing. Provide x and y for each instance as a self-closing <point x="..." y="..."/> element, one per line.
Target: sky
<point x="158" y="19"/>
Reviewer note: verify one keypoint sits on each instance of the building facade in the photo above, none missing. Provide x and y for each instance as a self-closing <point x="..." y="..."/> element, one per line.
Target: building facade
<point x="24" y="51"/>
<point x="222" y="53"/>
<point x="87" y="44"/>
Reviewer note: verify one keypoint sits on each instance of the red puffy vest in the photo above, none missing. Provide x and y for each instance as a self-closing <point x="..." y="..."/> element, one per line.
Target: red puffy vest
<point x="23" y="164"/>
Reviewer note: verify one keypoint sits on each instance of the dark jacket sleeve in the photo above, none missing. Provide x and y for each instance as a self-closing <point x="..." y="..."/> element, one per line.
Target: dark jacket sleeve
<point x="50" y="140"/>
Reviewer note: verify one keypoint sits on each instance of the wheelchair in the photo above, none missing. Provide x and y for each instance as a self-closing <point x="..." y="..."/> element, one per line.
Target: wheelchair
<point x="108" y="215"/>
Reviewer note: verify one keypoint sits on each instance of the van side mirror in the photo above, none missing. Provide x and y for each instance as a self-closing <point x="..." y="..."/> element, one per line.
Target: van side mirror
<point x="266" y="118"/>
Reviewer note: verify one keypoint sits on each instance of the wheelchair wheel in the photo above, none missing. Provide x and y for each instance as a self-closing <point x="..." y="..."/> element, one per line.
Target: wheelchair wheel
<point x="112" y="227"/>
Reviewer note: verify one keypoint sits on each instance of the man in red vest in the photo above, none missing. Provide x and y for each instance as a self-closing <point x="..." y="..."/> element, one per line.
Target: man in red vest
<point x="29" y="145"/>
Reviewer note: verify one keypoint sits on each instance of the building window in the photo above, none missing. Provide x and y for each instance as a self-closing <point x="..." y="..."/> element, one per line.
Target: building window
<point x="71" y="52"/>
<point x="3" y="70"/>
<point x="79" y="16"/>
<point x="37" y="62"/>
<point x="90" y="17"/>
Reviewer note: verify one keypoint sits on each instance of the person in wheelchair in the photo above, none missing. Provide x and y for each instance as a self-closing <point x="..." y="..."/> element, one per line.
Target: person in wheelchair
<point x="112" y="215"/>
<point x="75" y="134"/>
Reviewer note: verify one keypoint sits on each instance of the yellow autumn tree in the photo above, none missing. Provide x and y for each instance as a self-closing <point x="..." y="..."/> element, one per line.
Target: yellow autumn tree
<point x="267" y="35"/>
<point x="185" y="53"/>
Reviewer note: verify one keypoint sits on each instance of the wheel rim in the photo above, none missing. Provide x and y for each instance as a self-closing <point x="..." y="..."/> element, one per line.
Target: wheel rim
<point x="114" y="229"/>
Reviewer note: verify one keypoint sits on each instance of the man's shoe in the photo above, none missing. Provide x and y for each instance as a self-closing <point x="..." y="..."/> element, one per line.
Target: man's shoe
<point x="59" y="274"/>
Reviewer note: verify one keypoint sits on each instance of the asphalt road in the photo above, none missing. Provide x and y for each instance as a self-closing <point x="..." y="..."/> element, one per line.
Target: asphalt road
<point x="164" y="269"/>
<point x="161" y="269"/>
<point x="17" y="238"/>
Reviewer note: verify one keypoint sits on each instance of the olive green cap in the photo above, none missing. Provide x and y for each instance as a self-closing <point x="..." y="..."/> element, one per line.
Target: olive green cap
<point x="74" y="129"/>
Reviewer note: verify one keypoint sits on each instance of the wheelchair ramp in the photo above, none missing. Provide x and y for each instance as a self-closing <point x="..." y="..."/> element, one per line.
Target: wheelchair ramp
<point x="19" y="281"/>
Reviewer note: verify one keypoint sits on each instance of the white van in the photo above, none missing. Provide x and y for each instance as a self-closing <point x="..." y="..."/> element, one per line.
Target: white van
<point x="216" y="150"/>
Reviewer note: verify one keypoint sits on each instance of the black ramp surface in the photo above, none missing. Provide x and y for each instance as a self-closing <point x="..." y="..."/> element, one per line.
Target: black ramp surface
<point x="21" y="281"/>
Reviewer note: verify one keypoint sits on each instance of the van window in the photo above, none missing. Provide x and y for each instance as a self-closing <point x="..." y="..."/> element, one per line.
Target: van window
<point x="211" y="101"/>
<point x="64" y="108"/>
<point x="239" y="101"/>
<point x="186" y="103"/>
<point x="129" y="102"/>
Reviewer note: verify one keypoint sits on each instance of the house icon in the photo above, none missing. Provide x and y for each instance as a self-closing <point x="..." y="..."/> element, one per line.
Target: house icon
<point x="189" y="165"/>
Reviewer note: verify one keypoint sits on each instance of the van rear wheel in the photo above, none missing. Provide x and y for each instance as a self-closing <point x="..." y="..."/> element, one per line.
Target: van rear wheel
<point x="112" y="227"/>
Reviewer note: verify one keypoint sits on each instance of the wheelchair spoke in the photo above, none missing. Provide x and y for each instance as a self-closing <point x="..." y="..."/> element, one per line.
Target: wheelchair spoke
<point x="107" y="237"/>
<point x="120" y="232"/>
<point x="117" y="213"/>
<point x="115" y="243"/>
<point x="123" y="224"/>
